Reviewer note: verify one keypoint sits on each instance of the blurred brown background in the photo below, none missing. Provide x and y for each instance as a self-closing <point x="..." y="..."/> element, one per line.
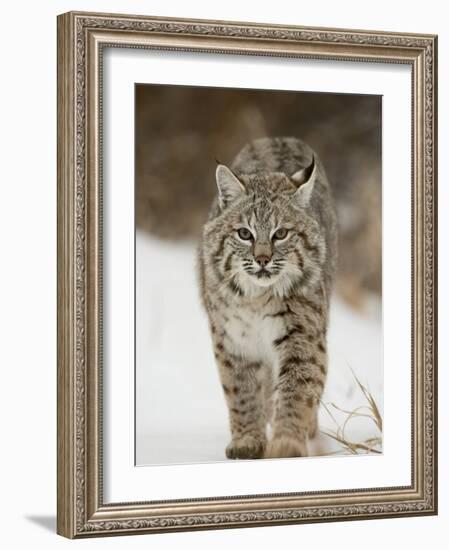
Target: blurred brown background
<point x="181" y="131"/>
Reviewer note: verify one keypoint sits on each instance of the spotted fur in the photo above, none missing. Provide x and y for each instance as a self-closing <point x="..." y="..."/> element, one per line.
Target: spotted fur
<point x="267" y="295"/>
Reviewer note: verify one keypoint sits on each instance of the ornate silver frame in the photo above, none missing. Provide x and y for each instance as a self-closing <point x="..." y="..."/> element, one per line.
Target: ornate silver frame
<point x="81" y="39"/>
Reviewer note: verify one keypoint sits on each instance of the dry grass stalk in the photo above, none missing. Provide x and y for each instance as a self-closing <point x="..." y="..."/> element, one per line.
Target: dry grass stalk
<point x="370" y="410"/>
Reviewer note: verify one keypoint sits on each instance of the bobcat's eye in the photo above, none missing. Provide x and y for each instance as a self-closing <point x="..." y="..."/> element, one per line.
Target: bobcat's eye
<point x="280" y="234"/>
<point x="245" y="234"/>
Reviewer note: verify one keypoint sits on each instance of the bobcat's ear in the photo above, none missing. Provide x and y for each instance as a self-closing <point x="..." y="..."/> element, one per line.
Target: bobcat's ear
<point x="229" y="186"/>
<point x="305" y="180"/>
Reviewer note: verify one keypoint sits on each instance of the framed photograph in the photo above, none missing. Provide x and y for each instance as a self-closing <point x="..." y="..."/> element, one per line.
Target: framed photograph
<point x="246" y="274"/>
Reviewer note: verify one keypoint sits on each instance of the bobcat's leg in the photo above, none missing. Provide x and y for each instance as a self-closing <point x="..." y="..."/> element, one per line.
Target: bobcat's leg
<point x="295" y="414"/>
<point x="300" y="384"/>
<point x="242" y="383"/>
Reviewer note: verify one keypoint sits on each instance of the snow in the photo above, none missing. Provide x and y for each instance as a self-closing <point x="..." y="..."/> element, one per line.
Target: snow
<point x="181" y="415"/>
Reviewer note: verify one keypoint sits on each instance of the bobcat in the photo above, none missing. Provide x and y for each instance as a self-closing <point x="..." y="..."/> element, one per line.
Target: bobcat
<point x="267" y="260"/>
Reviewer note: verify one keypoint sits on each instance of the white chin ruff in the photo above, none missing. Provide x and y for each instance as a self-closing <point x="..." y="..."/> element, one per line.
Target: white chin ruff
<point x="264" y="281"/>
<point x="281" y="284"/>
<point x="252" y="286"/>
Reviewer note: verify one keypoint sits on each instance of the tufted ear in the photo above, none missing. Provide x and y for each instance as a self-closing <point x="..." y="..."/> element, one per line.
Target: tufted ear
<point x="305" y="180"/>
<point x="229" y="186"/>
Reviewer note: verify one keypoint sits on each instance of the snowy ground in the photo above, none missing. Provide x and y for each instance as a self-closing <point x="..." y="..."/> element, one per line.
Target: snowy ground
<point x="181" y="414"/>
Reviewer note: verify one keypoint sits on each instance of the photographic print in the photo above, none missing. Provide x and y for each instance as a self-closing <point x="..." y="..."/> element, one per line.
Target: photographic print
<point x="258" y="274"/>
<point x="246" y="274"/>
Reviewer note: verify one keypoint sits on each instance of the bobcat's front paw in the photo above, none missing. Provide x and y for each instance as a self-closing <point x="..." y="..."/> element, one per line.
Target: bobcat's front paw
<point x="248" y="446"/>
<point x="286" y="447"/>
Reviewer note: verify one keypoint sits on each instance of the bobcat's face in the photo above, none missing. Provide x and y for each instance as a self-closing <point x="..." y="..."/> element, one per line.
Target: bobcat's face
<point x="267" y="238"/>
<point x="273" y="244"/>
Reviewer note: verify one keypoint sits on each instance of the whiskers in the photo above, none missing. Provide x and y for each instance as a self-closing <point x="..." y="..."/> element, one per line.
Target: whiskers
<point x="277" y="266"/>
<point x="278" y="278"/>
<point x="248" y="266"/>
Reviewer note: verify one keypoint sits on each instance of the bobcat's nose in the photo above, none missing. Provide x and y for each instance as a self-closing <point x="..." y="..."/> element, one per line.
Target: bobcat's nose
<point x="262" y="260"/>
